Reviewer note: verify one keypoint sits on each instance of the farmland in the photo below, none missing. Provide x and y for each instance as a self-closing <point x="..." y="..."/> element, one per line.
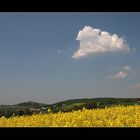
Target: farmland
<point x="116" y="116"/>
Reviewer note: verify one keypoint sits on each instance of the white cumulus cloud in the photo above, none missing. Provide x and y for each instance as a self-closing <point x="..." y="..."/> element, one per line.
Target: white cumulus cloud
<point x="95" y="41"/>
<point x="121" y="74"/>
<point x="127" y="68"/>
<point x="135" y="86"/>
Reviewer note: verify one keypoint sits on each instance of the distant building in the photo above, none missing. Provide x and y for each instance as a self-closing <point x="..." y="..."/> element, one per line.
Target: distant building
<point x="44" y="108"/>
<point x="35" y="110"/>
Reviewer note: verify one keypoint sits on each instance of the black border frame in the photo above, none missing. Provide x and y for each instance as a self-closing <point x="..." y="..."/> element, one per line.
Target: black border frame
<point x="69" y="6"/>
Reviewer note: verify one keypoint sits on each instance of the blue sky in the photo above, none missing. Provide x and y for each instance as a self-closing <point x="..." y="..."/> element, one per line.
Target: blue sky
<point x="50" y="57"/>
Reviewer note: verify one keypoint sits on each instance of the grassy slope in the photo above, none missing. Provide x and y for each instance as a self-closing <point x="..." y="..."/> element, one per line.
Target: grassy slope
<point x="100" y="101"/>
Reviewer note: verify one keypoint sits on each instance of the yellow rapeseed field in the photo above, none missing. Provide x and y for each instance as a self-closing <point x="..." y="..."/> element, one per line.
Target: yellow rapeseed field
<point x="118" y="116"/>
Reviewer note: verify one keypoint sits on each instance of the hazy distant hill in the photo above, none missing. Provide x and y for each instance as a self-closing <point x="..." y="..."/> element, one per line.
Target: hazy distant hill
<point x="30" y="104"/>
<point x="108" y="100"/>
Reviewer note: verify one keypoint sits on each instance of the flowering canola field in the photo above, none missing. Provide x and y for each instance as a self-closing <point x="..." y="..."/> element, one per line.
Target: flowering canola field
<point x="118" y="116"/>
